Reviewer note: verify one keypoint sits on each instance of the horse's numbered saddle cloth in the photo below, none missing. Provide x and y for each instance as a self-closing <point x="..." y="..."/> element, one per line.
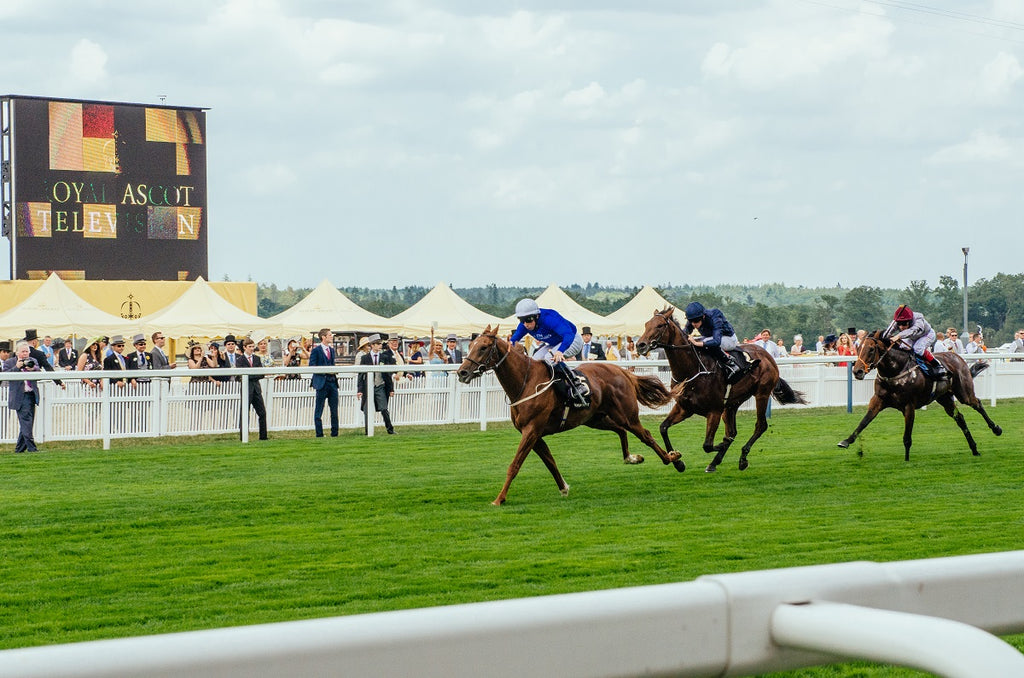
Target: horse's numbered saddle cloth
<point x="740" y="356"/>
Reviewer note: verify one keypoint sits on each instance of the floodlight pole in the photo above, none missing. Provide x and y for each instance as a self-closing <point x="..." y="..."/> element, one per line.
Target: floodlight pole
<point x="965" y="250"/>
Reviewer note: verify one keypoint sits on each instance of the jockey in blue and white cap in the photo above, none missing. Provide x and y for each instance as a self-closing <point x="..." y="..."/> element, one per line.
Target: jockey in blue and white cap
<point x="560" y="340"/>
<point x="716" y="337"/>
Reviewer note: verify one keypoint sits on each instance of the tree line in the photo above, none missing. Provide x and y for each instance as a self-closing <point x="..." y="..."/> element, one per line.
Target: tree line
<point x="997" y="305"/>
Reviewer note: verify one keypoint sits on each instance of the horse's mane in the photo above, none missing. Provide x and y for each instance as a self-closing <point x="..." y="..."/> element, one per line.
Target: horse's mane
<point x="668" y="314"/>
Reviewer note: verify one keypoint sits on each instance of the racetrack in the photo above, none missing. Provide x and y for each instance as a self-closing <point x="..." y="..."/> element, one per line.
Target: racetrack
<point x="199" y="533"/>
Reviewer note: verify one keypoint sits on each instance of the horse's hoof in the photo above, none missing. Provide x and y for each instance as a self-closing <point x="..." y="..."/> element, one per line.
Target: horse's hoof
<point x="633" y="459"/>
<point x="998" y="430"/>
<point x="496" y="503"/>
<point x="709" y="469"/>
<point x="673" y="456"/>
<point x="565" y="492"/>
<point x="976" y="453"/>
<point x="744" y="464"/>
<point x="680" y="466"/>
<point x="843" y="444"/>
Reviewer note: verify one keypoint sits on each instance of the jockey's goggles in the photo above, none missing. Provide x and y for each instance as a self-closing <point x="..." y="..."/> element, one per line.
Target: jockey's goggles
<point x="529" y="319"/>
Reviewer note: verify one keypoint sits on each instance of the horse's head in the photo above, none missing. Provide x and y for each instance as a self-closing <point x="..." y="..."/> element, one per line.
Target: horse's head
<point x="484" y="354"/>
<point x="872" y="348"/>
<point x="660" y="330"/>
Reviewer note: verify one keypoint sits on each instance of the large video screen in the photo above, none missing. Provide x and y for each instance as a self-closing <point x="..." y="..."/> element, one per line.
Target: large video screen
<point x="107" y="191"/>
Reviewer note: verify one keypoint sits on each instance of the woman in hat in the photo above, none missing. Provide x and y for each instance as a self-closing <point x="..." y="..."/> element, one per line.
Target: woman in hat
<point x="415" y="356"/>
<point x="91" y="359"/>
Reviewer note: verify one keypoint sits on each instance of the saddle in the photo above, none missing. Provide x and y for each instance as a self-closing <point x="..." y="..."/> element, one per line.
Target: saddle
<point x="562" y="389"/>
<point x="740" y="356"/>
<point x="925" y="368"/>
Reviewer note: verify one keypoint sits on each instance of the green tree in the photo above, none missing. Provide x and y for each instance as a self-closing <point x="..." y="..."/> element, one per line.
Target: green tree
<point x="917" y="295"/>
<point x="862" y="308"/>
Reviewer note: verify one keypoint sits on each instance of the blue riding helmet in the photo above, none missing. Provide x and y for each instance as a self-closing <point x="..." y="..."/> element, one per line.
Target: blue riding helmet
<point x="694" y="310"/>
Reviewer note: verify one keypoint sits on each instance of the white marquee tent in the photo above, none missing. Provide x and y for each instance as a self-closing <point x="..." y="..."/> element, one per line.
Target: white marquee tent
<point x="201" y="312"/>
<point x="326" y="306"/>
<point x="55" y="310"/>
<point x="445" y="311"/>
<point x="635" y="313"/>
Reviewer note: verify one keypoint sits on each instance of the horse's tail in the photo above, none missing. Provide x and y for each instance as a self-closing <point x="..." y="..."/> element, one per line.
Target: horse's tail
<point x="785" y="394"/>
<point x="978" y="367"/>
<point x="650" y="390"/>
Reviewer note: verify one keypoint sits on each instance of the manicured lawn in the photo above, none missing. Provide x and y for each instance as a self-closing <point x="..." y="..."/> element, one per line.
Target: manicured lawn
<point x="181" y="534"/>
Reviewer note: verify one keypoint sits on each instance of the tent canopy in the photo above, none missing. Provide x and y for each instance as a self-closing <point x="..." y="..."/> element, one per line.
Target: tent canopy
<point x="55" y="310"/>
<point x="201" y="312"/>
<point x="444" y="310"/>
<point x="554" y="297"/>
<point x="326" y="306"/>
<point x="635" y="313"/>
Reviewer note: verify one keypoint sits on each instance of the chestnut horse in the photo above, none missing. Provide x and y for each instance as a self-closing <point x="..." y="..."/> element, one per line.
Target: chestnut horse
<point x="699" y="386"/>
<point x="901" y="384"/>
<point x="538" y="409"/>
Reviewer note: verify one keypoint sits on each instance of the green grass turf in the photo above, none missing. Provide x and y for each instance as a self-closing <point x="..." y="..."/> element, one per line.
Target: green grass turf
<point x="181" y="534"/>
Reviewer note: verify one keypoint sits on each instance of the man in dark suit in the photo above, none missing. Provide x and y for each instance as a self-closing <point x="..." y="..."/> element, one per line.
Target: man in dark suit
<point x="325" y="385"/>
<point x="228" y="356"/>
<point x="383" y="384"/>
<point x="139" y="359"/>
<point x="116" y="359"/>
<point x="453" y="351"/>
<point x="67" y="357"/>
<point x="32" y="337"/>
<point x="591" y="350"/>
<point x="249" y="359"/>
<point x="5" y="352"/>
<point x="23" y="396"/>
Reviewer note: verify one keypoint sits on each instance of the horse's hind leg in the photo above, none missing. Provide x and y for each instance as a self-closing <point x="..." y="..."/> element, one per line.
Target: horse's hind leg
<point x="627" y="458"/>
<point x="968" y="397"/>
<point x="908" y="429"/>
<point x="759" y="428"/>
<point x="947" y="404"/>
<point x="544" y="452"/>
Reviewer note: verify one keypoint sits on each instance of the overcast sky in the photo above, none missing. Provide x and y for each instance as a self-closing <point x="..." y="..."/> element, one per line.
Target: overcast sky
<point x="403" y="142"/>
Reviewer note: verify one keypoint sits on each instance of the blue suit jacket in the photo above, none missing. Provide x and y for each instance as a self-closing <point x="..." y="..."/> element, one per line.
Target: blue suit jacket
<point x="15" y="389"/>
<point x="318" y="358"/>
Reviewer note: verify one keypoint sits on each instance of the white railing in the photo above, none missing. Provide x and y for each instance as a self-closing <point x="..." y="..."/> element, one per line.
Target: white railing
<point x="936" y="615"/>
<point x="170" y="405"/>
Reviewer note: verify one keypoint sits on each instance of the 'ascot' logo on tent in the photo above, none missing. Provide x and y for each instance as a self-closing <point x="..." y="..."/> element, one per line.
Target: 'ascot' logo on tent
<point x="134" y="310"/>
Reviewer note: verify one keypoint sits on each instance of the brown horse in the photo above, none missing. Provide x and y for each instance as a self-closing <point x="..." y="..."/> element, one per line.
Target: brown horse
<point x="700" y="386"/>
<point x="538" y="409"/>
<point x="902" y="385"/>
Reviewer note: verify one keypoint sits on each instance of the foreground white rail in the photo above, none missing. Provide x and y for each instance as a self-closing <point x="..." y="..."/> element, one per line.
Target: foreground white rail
<point x="721" y="625"/>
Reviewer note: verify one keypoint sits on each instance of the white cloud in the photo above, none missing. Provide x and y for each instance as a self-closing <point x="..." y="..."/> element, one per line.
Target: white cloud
<point x="1000" y="75"/>
<point x="88" y="63"/>
<point x="585" y="97"/>
<point x="981" y="147"/>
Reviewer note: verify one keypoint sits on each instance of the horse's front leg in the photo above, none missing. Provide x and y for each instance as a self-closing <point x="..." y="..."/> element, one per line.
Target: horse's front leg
<point x="908" y="429"/>
<point x="874" y="407"/>
<point x="544" y="452"/>
<point x="676" y="415"/>
<point x="530" y="437"/>
<point x="713" y="419"/>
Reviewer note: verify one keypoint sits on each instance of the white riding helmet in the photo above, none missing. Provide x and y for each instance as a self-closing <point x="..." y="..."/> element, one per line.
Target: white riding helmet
<point x="527" y="308"/>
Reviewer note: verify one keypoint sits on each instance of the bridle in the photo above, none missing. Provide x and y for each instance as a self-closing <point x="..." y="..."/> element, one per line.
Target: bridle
<point x="878" y="353"/>
<point x="494" y="356"/>
<point x="654" y="343"/>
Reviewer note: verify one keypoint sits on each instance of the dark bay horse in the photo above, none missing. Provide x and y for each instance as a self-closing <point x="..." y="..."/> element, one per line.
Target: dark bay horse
<point x="699" y="386"/>
<point x="902" y="385"/>
<point x="538" y="410"/>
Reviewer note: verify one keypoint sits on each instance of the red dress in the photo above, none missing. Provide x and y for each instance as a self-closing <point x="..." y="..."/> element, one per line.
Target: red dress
<point x="845" y="350"/>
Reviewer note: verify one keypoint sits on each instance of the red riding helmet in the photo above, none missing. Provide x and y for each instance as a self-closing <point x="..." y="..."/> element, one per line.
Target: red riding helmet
<point x="903" y="314"/>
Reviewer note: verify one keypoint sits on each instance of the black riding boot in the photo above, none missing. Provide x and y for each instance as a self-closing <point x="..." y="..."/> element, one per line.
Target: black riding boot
<point x="938" y="370"/>
<point x="578" y="391"/>
<point x="733" y="370"/>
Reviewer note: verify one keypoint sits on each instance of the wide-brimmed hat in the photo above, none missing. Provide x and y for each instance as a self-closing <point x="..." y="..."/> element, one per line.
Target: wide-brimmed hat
<point x="94" y="340"/>
<point x="116" y="339"/>
<point x="31" y="335"/>
<point x="831" y="339"/>
<point x="363" y="343"/>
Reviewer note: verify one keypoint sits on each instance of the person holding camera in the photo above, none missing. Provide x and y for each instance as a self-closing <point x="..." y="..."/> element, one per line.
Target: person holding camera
<point x="23" y="396"/>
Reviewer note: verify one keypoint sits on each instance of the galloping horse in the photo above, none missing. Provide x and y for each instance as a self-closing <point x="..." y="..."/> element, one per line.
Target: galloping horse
<point x="700" y="386"/>
<point x="538" y="410"/>
<point x="901" y="384"/>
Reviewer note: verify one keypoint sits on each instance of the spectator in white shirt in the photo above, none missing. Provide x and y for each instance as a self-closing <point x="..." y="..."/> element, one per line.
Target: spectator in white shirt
<point x="953" y="342"/>
<point x="766" y="342"/>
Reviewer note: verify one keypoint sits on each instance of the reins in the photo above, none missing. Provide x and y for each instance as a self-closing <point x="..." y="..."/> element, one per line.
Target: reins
<point x="696" y="354"/>
<point x="482" y="367"/>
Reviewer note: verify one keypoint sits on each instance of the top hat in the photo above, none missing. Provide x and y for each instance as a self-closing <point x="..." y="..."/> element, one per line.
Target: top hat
<point x="452" y="337"/>
<point x="230" y="339"/>
<point x="117" y="339"/>
<point x="373" y="339"/>
<point x="30" y="335"/>
<point x="139" y="339"/>
<point x="5" y="346"/>
<point x="586" y="330"/>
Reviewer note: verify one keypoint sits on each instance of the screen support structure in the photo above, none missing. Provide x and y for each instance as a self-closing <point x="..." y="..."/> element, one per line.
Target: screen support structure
<point x="6" y="174"/>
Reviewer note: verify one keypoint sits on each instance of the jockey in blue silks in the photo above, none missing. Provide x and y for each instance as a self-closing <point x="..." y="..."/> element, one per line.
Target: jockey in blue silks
<point x="560" y="340"/>
<point x="717" y="337"/>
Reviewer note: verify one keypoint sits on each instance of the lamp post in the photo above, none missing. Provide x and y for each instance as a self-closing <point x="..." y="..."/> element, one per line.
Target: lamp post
<point x="965" y="250"/>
